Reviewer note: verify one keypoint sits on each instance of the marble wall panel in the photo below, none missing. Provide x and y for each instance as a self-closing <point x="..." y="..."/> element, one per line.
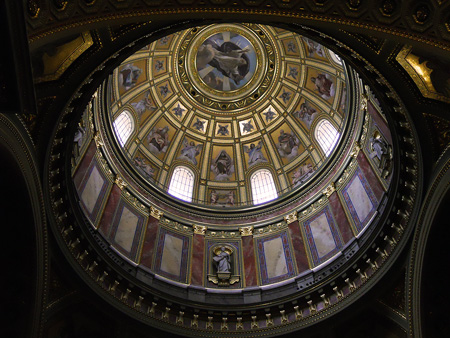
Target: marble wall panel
<point x="150" y="240"/>
<point x="84" y="165"/>
<point x="341" y="218"/>
<point x="370" y="175"/>
<point x="323" y="237"/>
<point x="106" y="221"/>
<point x="298" y="247"/>
<point x="172" y="255"/>
<point x="126" y="230"/>
<point x="275" y="258"/>
<point x="360" y="200"/>
<point x="92" y="191"/>
<point x="248" y="253"/>
<point x="379" y="120"/>
<point x="198" y="256"/>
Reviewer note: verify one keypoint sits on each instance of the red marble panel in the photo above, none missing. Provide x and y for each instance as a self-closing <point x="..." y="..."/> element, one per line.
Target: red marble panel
<point x="110" y="209"/>
<point x="249" y="261"/>
<point x="370" y="175"/>
<point x="340" y="217"/>
<point x="149" y="242"/>
<point x="381" y="123"/>
<point x="84" y="165"/>
<point x="299" y="247"/>
<point x="198" y="253"/>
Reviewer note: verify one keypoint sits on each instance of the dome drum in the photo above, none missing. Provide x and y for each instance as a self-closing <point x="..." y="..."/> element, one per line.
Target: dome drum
<point x="171" y="262"/>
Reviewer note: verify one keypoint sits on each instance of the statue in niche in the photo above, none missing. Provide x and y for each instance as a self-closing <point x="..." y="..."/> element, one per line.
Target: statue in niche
<point x="383" y="152"/>
<point x="222" y="261"/>
<point x="223" y="267"/>
<point x="79" y="136"/>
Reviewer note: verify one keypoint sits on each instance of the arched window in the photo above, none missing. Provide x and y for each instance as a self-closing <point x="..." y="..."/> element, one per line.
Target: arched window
<point x="327" y="136"/>
<point x="123" y="126"/>
<point x="182" y="183"/>
<point x="263" y="186"/>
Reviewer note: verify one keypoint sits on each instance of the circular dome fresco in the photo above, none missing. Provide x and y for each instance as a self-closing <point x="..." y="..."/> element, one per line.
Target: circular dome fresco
<point x="177" y="156"/>
<point x="229" y="115"/>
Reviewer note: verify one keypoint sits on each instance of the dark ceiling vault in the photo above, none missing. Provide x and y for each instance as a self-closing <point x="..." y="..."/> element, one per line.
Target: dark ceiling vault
<point x="54" y="298"/>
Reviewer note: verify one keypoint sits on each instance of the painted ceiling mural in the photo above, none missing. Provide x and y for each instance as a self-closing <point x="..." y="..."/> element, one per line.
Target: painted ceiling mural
<point x="226" y="101"/>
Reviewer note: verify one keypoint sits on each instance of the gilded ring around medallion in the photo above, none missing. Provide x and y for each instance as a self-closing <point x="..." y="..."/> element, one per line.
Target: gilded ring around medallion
<point x="226" y="67"/>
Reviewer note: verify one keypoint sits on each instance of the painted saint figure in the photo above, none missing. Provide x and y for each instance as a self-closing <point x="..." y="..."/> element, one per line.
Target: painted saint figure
<point x="307" y="113"/>
<point x="255" y="154"/>
<point x="213" y="197"/>
<point x="324" y="85"/>
<point x="190" y="151"/>
<point x="222" y="166"/>
<point x="143" y="105"/>
<point x="287" y="144"/>
<point x="222" y="261"/>
<point x="302" y="174"/>
<point x="228" y="58"/>
<point x="145" y="168"/>
<point x="230" y="199"/>
<point x="129" y="75"/>
<point x="158" y="140"/>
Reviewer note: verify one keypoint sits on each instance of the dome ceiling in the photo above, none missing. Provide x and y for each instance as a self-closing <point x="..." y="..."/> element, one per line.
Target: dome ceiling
<point x="226" y="101"/>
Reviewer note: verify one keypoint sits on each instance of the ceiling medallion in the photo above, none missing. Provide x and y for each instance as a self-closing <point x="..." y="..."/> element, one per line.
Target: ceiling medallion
<point x="226" y="67"/>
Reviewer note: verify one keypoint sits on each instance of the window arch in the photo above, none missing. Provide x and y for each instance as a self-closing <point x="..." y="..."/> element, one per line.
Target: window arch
<point x="327" y="136"/>
<point x="263" y="186"/>
<point x="182" y="183"/>
<point x="124" y="126"/>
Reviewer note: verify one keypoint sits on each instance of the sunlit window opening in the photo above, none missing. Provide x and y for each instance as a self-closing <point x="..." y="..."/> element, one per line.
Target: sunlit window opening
<point x="327" y="136"/>
<point x="123" y="126"/>
<point x="263" y="187"/>
<point x="182" y="184"/>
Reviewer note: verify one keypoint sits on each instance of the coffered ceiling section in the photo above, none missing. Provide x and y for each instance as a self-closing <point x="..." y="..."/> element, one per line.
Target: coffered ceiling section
<point x="227" y="101"/>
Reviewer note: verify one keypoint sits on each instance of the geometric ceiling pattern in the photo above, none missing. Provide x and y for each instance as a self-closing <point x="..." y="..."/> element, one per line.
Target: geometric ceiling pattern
<point x="226" y="101"/>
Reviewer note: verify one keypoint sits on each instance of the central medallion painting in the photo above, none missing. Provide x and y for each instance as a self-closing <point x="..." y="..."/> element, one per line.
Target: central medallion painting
<point x="226" y="61"/>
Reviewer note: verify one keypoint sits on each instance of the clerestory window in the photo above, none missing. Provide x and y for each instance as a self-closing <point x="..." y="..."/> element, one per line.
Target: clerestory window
<point x="326" y="135"/>
<point x="263" y="186"/>
<point x="123" y="126"/>
<point x="182" y="183"/>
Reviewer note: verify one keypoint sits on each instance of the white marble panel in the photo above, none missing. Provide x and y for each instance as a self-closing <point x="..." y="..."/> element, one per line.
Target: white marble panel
<point x="275" y="258"/>
<point x="323" y="237"/>
<point x="360" y="199"/>
<point x="126" y="229"/>
<point x="92" y="190"/>
<point x="171" y="257"/>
